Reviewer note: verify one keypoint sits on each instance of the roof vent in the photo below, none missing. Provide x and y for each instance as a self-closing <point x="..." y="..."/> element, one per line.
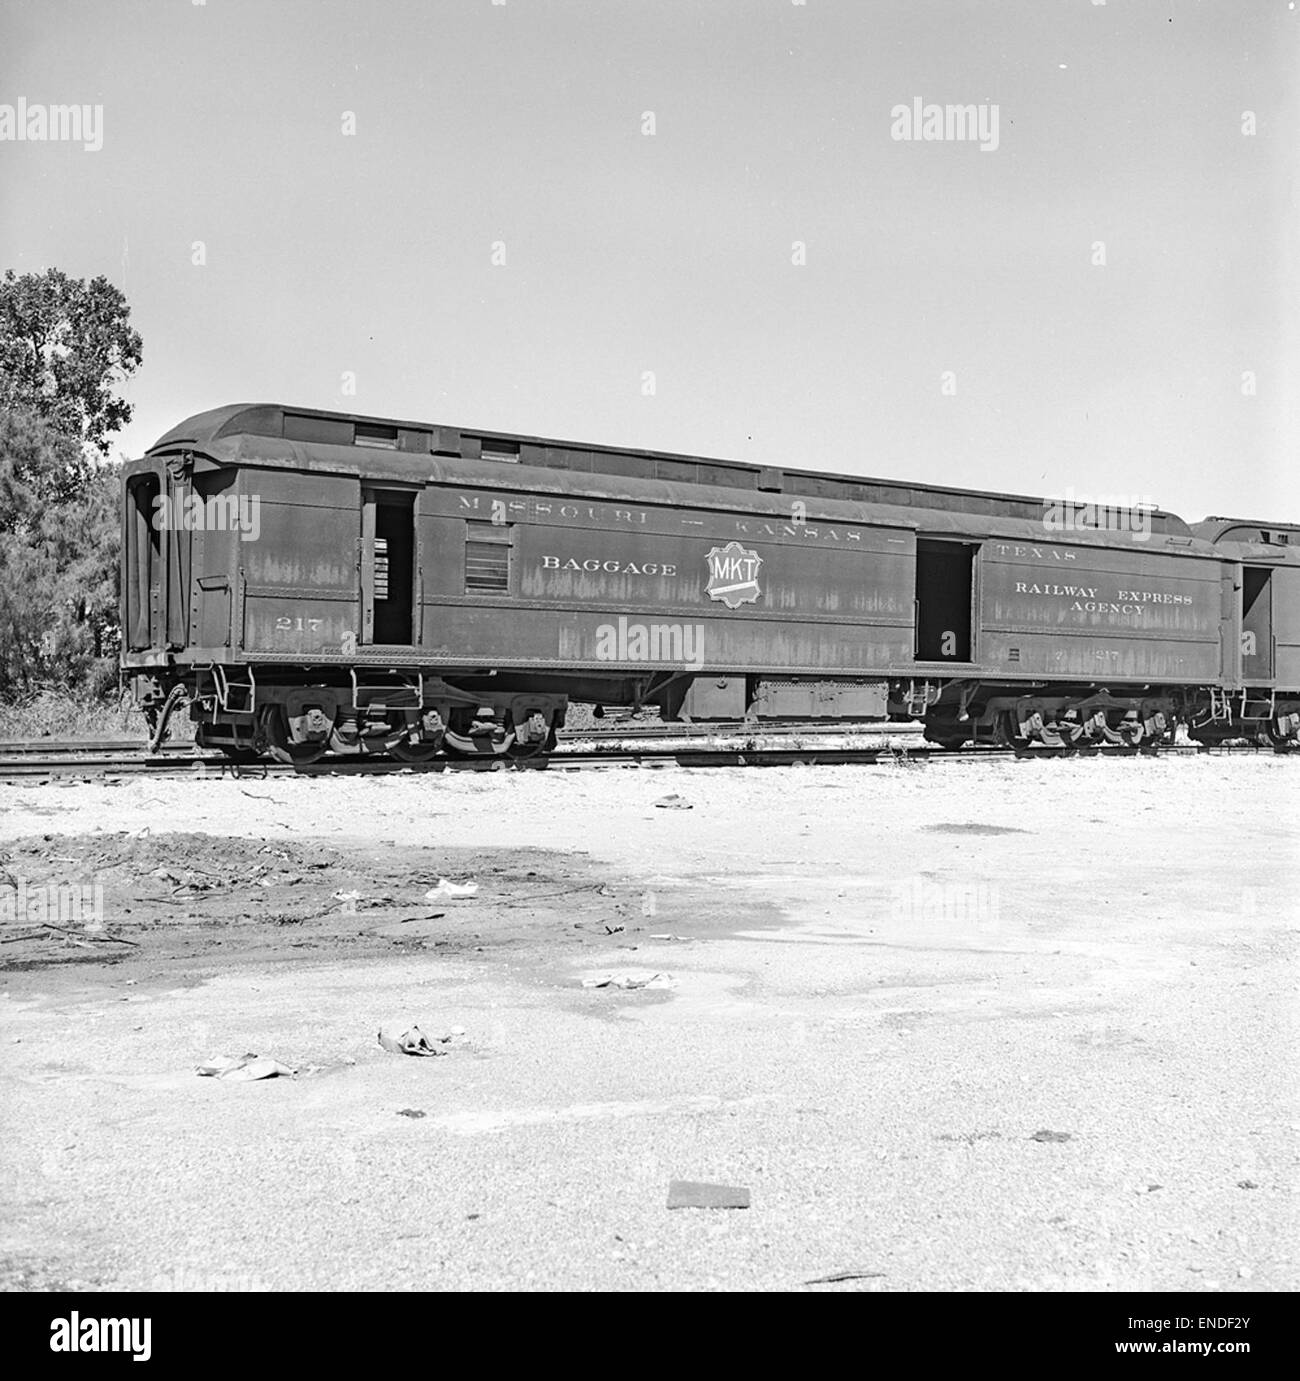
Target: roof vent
<point x="376" y="435"/>
<point x="496" y="449"/>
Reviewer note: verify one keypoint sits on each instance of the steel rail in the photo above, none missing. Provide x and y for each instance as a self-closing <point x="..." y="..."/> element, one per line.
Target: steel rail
<point x="80" y="763"/>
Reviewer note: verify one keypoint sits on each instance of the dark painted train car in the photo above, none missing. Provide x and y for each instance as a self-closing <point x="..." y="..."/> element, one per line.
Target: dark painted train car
<point x="315" y="582"/>
<point x="1267" y="608"/>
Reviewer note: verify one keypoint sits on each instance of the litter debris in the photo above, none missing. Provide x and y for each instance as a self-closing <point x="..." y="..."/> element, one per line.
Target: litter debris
<point x="403" y="1039"/>
<point x="353" y="901"/>
<point x="411" y="930"/>
<point x="446" y="890"/>
<point x="1247" y="1184"/>
<point x="1045" y="1135"/>
<point x="666" y="936"/>
<point x="410" y="1112"/>
<point x="688" y="1194"/>
<point x="260" y="1069"/>
<point x="219" y="1065"/>
<point x="674" y="802"/>
<point x="851" y="1274"/>
<point x="243" y="1069"/>
<point x="965" y="1138"/>
<point x="631" y="981"/>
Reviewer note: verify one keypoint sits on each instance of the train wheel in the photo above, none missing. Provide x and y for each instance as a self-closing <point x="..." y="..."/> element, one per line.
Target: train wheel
<point x="406" y="751"/>
<point x="299" y="754"/>
<point x="1111" y="723"/>
<point x="1006" y="731"/>
<point x="1071" y="730"/>
<point x="536" y="749"/>
<point x="1095" y="730"/>
<point x="1284" y="731"/>
<point x="280" y="748"/>
<point x="1130" y="731"/>
<point x="494" y="742"/>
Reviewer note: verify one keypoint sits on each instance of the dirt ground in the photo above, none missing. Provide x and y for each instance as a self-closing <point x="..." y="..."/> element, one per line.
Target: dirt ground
<point x="1001" y="1025"/>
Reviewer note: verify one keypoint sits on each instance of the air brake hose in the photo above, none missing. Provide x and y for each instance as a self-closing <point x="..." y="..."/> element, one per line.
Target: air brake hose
<point x="164" y="718"/>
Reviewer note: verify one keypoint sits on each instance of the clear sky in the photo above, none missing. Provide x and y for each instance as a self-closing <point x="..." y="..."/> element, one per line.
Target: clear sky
<point x="930" y="264"/>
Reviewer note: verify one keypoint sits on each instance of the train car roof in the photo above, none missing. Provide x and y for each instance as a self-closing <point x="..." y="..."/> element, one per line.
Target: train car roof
<point x="316" y="432"/>
<point x="242" y="449"/>
<point x="1252" y="531"/>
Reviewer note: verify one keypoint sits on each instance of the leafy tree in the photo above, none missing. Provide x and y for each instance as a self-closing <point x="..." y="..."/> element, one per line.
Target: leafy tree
<point x="59" y="589"/>
<point x="65" y="346"/>
<point x="37" y="464"/>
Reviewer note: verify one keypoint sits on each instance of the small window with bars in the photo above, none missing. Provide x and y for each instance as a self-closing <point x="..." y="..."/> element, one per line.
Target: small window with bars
<point x="487" y="559"/>
<point x="381" y="567"/>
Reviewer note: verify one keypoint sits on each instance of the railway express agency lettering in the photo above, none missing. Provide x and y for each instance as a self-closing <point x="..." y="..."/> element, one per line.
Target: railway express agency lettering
<point x="595" y="564"/>
<point x="1086" y="601"/>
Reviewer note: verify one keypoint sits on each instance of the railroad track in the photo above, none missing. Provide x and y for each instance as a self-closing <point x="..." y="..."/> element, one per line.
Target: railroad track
<point x="84" y="764"/>
<point x="72" y="757"/>
<point x="47" y="759"/>
<point x="639" y="729"/>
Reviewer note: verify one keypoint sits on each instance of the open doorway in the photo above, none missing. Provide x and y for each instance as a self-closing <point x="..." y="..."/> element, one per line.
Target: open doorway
<point x="388" y="567"/>
<point x="144" y="569"/>
<point x="944" y="574"/>
<point x="1256" y="623"/>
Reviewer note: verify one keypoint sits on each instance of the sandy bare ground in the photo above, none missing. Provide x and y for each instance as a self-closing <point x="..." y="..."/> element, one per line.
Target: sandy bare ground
<point x="991" y="1025"/>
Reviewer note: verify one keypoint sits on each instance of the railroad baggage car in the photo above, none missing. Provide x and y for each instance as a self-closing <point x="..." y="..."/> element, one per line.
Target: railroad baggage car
<point x="318" y="583"/>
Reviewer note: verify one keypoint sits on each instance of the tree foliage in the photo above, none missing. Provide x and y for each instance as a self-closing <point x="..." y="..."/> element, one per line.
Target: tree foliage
<point x="38" y="465"/>
<point x="65" y="345"/>
<point x="58" y="586"/>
